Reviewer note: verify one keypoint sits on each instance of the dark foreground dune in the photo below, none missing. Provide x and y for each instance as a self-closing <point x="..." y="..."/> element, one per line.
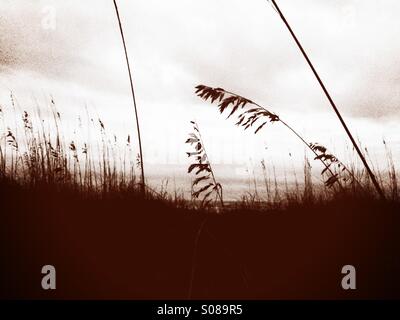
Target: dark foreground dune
<point x="123" y="247"/>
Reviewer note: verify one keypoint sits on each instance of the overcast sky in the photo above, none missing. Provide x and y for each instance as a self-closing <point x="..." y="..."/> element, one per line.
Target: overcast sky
<point x="242" y="46"/>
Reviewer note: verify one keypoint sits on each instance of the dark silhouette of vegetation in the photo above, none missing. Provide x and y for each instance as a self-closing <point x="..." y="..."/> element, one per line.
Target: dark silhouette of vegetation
<point x="76" y="203"/>
<point x="252" y="115"/>
<point x="80" y="207"/>
<point x="205" y="183"/>
<point x="332" y="103"/>
<point x="133" y="98"/>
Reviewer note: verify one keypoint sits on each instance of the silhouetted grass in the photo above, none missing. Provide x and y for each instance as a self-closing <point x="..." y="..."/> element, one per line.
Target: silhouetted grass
<point x="77" y="205"/>
<point x="118" y="245"/>
<point x="34" y="151"/>
<point x="339" y="177"/>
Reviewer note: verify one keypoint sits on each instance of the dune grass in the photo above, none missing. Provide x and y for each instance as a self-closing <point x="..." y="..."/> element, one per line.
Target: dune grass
<point x="79" y="205"/>
<point x="35" y="150"/>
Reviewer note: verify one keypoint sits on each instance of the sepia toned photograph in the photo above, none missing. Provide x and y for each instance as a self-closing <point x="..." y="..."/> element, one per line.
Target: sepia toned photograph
<point x="199" y="150"/>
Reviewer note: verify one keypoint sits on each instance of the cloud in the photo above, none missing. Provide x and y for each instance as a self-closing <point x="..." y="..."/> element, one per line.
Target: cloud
<point x="239" y="45"/>
<point x="242" y="46"/>
<point x="25" y="45"/>
<point x="62" y="53"/>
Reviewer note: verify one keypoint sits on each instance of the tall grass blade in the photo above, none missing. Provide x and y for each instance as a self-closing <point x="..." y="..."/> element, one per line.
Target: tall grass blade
<point x="360" y="154"/>
<point x="133" y="96"/>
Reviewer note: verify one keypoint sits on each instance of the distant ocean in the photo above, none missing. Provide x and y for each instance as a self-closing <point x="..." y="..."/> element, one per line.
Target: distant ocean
<point x="237" y="181"/>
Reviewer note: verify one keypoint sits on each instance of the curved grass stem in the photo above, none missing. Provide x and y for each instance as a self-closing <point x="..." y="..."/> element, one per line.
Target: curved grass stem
<point x="297" y="135"/>
<point x="218" y="186"/>
<point x="332" y="103"/>
<point x="143" y="189"/>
